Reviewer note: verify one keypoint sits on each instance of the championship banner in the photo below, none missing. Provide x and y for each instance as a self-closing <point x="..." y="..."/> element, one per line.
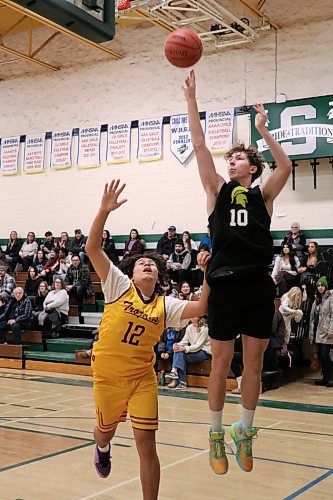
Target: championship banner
<point x="89" y="148"/>
<point x="219" y="130"/>
<point x="150" y="139"/>
<point x="119" y="143"/>
<point x="10" y="147"/>
<point x="180" y="137"/>
<point x="61" y="150"/>
<point x="303" y="127"/>
<point x="34" y="153"/>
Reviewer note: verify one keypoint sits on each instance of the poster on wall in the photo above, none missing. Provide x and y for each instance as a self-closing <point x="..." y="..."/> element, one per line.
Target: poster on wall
<point x="61" y="150"/>
<point x="34" y="153"/>
<point x="10" y="147"/>
<point x="180" y="137"/>
<point x="119" y="143"/>
<point x="89" y="148"/>
<point x="303" y="127"/>
<point x="219" y="130"/>
<point x="150" y="139"/>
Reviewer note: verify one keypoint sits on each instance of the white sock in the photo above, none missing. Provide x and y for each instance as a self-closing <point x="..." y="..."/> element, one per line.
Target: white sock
<point x="216" y="420"/>
<point x="247" y="417"/>
<point x="105" y="449"/>
<point x="239" y="379"/>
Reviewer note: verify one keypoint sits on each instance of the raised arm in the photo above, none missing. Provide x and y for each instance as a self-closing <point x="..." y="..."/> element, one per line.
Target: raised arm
<point x="276" y="181"/>
<point x="109" y="203"/>
<point x="210" y="179"/>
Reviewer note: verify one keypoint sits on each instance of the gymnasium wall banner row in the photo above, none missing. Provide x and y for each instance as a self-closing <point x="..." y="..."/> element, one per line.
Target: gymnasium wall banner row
<point x="56" y="150"/>
<point x="303" y="127"/>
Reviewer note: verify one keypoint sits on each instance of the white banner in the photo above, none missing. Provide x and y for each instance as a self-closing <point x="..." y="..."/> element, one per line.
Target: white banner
<point x="219" y="130"/>
<point x="150" y="139"/>
<point x="10" y="147"/>
<point x="180" y="137"/>
<point x="119" y="143"/>
<point x="34" y="153"/>
<point x="61" y="150"/>
<point x="89" y="148"/>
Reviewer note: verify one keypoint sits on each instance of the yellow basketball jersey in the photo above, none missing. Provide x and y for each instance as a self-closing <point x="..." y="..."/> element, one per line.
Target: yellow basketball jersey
<point x="129" y="330"/>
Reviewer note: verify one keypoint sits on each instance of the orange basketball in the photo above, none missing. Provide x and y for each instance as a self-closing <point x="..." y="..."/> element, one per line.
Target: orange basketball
<point x="183" y="48"/>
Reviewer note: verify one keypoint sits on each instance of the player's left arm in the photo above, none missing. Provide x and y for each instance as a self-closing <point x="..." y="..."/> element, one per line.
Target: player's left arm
<point x="199" y="308"/>
<point x="276" y="181"/>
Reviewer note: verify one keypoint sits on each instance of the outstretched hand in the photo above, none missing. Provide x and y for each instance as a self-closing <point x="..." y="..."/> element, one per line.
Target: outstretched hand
<point x="261" y="116"/>
<point x="110" y="196"/>
<point x="189" y="86"/>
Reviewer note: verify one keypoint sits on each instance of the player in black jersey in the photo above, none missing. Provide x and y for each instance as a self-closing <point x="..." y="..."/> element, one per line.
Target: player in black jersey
<point x="242" y="294"/>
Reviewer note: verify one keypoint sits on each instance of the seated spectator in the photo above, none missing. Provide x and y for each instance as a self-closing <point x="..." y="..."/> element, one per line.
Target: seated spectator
<point x="206" y="240"/>
<point x="290" y="308"/>
<point x="186" y="292"/>
<point x="284" y="273"/>
<point x="309" y="262"/>
<point x="32" y="284"/>
<point x="64" y="264"/>
<point x="56" y="307"/>
<point x="78" y="283"/>
<point x="16" y="316"/>
<point x="28" y="251"/>
<point x="296" y="239"/>
<point x="12" y="250"/>
<point x="39" y="261"/>
<point x="179" y="262"/>
<point x="64" y="242"/>
<point x="166" y="244"/>
<point x="134" y="245"/>
<point x="7" y="284"/>
<point x="51" y="266"/>
<point x="169" y="337"/>
<point x="48" y="244"/>
<point x="78" y="246"/>
<point x="37" y="306"/>
<point x="192" y="247"/>
<point x="194" y="348"/>
<point x="109" y="246"/>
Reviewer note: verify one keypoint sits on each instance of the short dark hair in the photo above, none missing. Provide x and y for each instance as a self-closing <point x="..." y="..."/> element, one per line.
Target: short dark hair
<point x="77" y="231"/>
<point x="48" y="233"/>
<point x="255" y="158"/>
<point x="179" y="242"/>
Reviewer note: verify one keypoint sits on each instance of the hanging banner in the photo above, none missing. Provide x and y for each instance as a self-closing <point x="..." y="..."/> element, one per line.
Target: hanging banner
<point x="119" y="143"/>
<point x="10" y="147"/>
<point x="219" y="130"/>
<point x="180" y="137"/>
<point x="303" y="127"/>
<point x="89" y="148"/>
<point x="150" y="139"/>
<point x="34" y="153"/>
<point x="61" y="150"/>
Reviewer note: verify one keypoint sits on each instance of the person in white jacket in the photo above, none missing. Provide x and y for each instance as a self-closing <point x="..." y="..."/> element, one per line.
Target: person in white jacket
<point x="290" y="308"/>
<point x="193" y="348"/>
<point x="56" y="308"/>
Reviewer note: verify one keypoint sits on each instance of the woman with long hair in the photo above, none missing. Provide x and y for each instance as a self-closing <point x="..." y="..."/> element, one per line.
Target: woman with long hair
<point x="39" y="261"/>
<point x="56" y="307"/>
<point x="189" y="244"/>
<point x="284" y="273"/>
<point x="28" y="251"/>
<point x="309" y="262"/>
<point x="109" y="246"/>
<point x="134" y="245"/>
<point x="12" y="250"/>
<point x="186" y="292"/>
<point x="290" y="308"/>
<point x="37" y="306"/>
<point x="32" y="284"/>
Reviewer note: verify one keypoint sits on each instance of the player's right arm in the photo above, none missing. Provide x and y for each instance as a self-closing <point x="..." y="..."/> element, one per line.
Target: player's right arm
<point x="210" y="179"/>
<point x="109" y="203"/>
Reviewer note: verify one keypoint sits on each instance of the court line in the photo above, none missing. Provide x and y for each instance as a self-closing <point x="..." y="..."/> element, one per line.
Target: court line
<point x="309" y="485"/>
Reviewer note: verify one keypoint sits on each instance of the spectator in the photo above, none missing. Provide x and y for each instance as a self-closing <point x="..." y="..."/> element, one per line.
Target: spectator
<point x="32" y="284"/>
<point x="51" y="266"/>
<point x="296" y="239"/>
<point x="78" y="283"/>
<point x="64" y="241"/>
<point x="179" y="262"/>
<point x="206" y="240"/>
<point x="321" y="330"/>
<point x="78" y="246"/>
<point x="64" y="264"/>
<point x="16" y="316"/>
<point x="309" y="262"/>
<point x="194" y="348"/>
<point x="12" y="250"/>
<point x="276" y="342"/>
<point x="37" y="306"/>
<point x="109" y="246"/>
<point x="28" y="251"/>
<point x="290" y="308"/>
<point x="39" y="262"/>
<point x="166" y="244"/>
<point x="134" y="245"/>
<point x="48" y="244"/>
<point x="56" y="307"/>
<point x="284" y="273"/>
<point x="169" y="337"/>
<point x="186" y="292"/>
<point x="192" y="247"/>
<point x="7" y="284"/>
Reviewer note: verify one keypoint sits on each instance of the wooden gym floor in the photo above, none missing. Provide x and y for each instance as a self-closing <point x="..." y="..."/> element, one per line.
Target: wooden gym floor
<point x="46" y="423"/>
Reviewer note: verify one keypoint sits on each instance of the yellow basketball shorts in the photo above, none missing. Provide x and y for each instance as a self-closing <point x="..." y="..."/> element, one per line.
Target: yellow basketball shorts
<point x="115" y="397"/>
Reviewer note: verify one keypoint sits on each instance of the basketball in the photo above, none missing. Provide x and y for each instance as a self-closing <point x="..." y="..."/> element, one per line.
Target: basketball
<point x="183" y="48"/>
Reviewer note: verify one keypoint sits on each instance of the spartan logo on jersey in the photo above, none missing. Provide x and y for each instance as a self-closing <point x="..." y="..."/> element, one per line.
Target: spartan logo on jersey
<point x="238" y="196"/>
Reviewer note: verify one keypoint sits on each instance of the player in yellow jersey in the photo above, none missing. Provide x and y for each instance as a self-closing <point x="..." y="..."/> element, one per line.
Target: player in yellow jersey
<point x="134" y="317"/>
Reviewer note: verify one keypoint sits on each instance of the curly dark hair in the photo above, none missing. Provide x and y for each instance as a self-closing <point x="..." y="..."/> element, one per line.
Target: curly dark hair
<point x="127" y="266"/>
<point x="255" y="158"/>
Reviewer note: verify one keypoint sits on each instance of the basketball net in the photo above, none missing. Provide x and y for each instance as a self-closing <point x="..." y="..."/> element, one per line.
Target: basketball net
<point x="123" y="4"/>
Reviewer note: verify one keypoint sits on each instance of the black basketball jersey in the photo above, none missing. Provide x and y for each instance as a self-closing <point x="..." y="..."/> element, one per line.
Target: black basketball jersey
<point x="240" y="230"/>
